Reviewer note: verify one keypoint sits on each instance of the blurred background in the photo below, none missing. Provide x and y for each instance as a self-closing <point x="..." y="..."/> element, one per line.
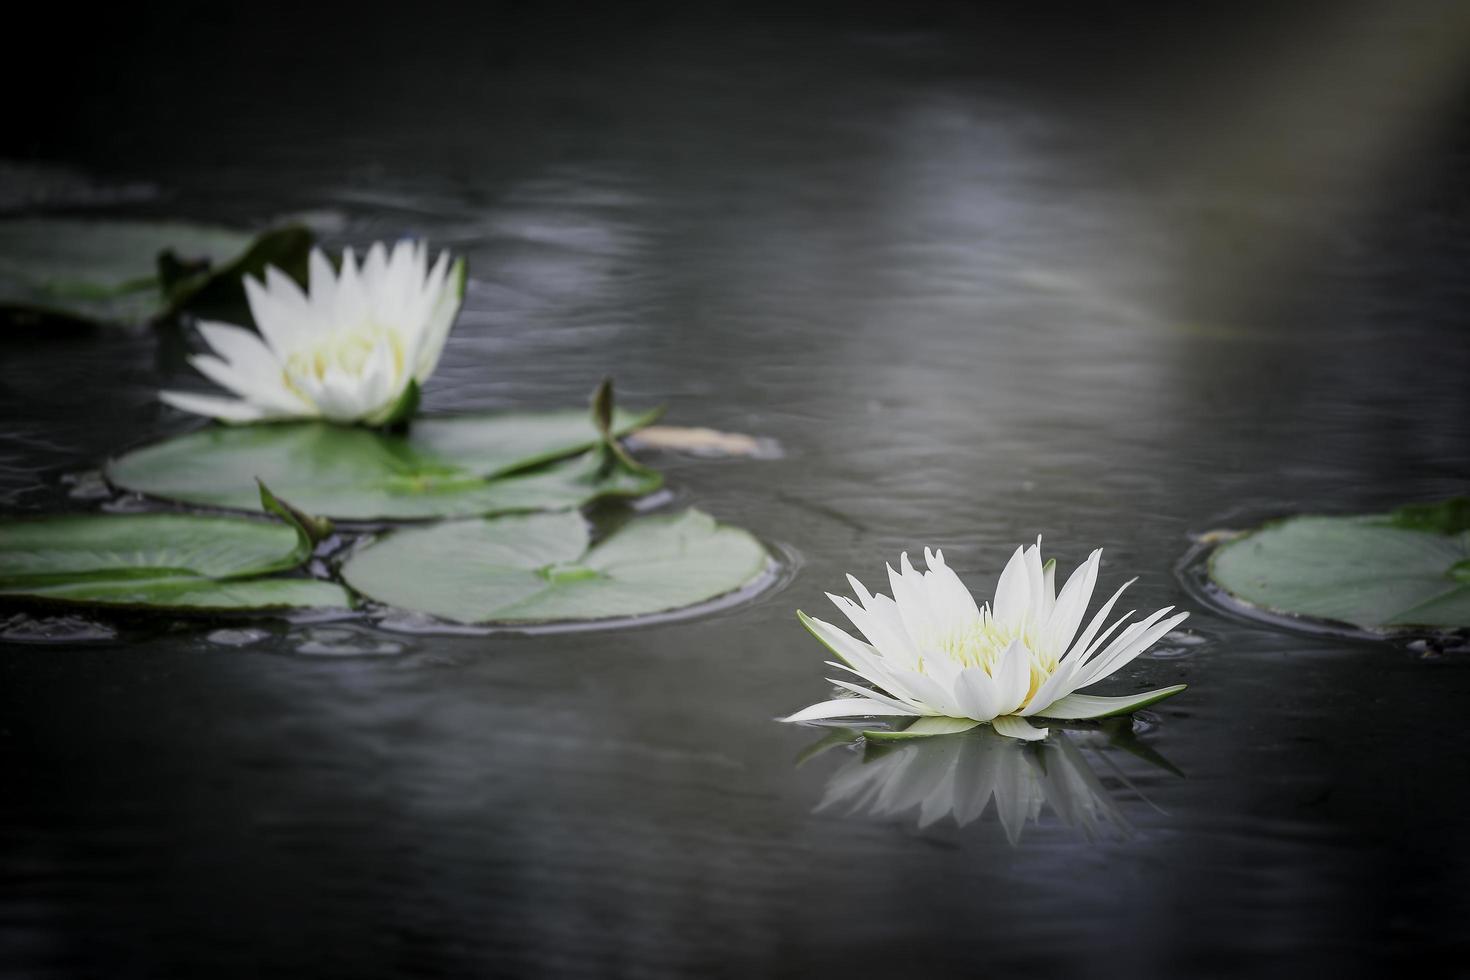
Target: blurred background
<point x="1118" y="275"/>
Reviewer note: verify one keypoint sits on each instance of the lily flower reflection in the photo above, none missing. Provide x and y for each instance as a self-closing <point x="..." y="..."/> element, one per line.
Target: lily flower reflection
<point x="962" y="775"/>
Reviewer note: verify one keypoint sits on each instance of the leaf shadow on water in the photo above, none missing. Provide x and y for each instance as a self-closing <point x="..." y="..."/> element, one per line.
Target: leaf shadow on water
<point x="965" y="775"/>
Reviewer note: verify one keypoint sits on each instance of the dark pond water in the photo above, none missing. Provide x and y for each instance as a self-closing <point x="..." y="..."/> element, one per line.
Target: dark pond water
<point x="1115" y="280"/>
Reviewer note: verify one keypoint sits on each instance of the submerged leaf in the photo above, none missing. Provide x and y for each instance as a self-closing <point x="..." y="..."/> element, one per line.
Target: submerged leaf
<point x="540" y="568"/>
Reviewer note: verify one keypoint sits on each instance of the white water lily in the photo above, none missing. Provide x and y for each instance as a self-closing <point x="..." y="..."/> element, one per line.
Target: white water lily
<point x="933" y="654"/>
<point x="353" y="348"/>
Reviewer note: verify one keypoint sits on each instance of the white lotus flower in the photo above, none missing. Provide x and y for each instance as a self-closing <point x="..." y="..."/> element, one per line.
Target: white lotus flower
<point x="354" y="348"/>
<point x="932" y="653"/>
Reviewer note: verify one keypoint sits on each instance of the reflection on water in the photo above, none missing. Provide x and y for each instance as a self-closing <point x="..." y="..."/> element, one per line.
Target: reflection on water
<point x="962" y="776"/>
<point x="22" y="628"/>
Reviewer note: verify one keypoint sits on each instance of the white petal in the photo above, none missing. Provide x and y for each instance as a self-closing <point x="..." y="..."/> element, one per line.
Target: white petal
<point x="416" y="294"/>
<point x="882" y="624"/>
<point x="283" y="290"/>
<point x="1035" y="582"/>
<point x="1048" y="589"/>
<point x="1013" y="677"/>
<point x="224" y="409"/>
<point x="336" y="396"/>
<point x="1066" y="678"/>
<point x="835" y="639"/>
<point x="1059" y="628"/>
<point x="845" y="708"/>
<point x="272" y="396"/>
<point x="875" y="669"/>
<point x="872" y="695"/>
<point x="1012" y="726"/>
<point x="1078" y="706"/>
<point x="239" y="346"/>
<point x="913" y="686"/>
<point x="977" y="693"/>
<point x="1080" y="647"/>
<point x="379" y="384"/>
<point x="283" y="326"/>
<point x="952" y="603"/>
<point x="350" y="307"/>
<point x="1012" y="594"/>
<point x="859" y="618"/>
<point x="249" y="369"/>
<point x="1127" y="646"/>
<point x="448" y="294"/>
<point x="375" y="268"/>
<point x="912" y="600"/>
<point x="322" y="283"/>
<point x="938" y="665"/>
<point x="1060" y="682"/>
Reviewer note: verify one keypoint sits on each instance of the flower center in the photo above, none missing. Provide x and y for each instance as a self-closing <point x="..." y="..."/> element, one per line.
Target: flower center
<point x="345" y="352"/>
<point x="977" y="644"/>
<point x="982" y="643"/>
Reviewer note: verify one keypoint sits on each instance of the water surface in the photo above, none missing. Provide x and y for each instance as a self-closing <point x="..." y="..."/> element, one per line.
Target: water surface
<point x="982" y="280"/>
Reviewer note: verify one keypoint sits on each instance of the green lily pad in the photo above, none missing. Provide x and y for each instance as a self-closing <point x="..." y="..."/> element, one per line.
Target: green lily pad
<point x="132" y="271"/>
<point x="195" y="595"/>
<point x="544" y="568"/>
<point x="1376" y="572"/>
<point x="443" y="467"/>
<point x="160" y="561"/>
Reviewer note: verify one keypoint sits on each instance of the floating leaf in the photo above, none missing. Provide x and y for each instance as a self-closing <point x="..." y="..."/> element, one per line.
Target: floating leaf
<point x="158" y="560"/>
<point x="130" y="271"/>
<point x="1370" y="571"/>
<point x="440" y="468"/>
<point x="540" y="568"/>
<point x="201" y="595"/>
